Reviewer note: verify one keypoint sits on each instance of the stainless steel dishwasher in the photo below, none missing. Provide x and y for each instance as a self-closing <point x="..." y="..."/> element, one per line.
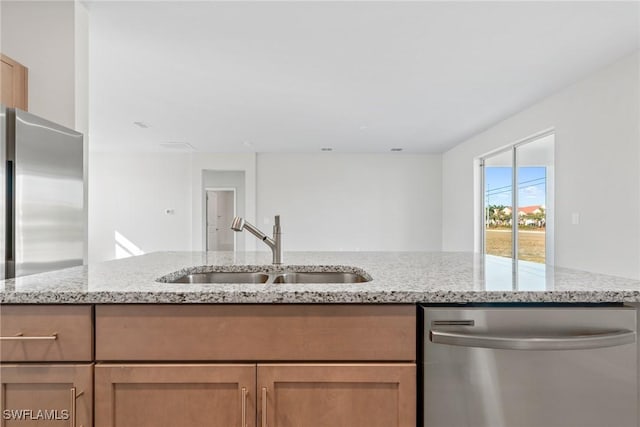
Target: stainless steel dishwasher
<point x="530" y="367"/>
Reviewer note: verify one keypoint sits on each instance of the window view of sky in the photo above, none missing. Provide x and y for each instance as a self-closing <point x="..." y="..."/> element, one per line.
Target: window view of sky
<point x="531" y="184"/>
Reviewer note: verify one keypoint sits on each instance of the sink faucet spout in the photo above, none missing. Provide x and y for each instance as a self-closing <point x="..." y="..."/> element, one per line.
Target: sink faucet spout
<point x="275" y="244"/>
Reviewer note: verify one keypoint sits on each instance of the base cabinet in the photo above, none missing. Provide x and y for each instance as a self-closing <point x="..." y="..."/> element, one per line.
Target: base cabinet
<point x="158" y="395"/>
<point x="46" y="395"/>
<point x="264" y="395"/>
<point x="337" y="395"/>
<point x="208" y="366"/>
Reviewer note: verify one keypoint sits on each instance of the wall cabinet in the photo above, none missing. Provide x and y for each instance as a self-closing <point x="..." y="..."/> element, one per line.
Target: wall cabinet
<point x="14" y="91"/>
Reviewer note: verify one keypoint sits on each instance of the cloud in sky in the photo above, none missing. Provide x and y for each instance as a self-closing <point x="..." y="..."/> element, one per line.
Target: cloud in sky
<point x="532" y="192"/>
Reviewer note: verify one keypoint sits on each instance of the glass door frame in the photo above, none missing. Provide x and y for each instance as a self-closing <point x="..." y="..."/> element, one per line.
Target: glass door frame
<point x="513" y="148"/>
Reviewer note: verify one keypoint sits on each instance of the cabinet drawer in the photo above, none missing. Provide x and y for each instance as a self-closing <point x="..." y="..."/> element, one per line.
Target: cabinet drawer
<point x="256" y="332"/>
<point x="46" y="333"/>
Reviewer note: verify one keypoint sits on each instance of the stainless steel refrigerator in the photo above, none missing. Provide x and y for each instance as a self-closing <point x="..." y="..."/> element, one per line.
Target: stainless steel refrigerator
<point x="42" y="192"/>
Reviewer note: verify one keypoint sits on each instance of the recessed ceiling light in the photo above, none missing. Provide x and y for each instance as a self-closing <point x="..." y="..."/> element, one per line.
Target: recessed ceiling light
<point x="326" y="149"/>
<point x="247" y="144"/>
<point x="396" y="149"/>
<point x="142" y="125"/>
<point x="363" y="127"/>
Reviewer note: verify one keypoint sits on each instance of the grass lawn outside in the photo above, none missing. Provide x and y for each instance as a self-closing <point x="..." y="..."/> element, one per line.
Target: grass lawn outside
<point x="531" y="244"/>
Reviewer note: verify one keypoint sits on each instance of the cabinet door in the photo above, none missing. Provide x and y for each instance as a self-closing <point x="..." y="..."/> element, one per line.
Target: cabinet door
<point x="13" y="82"/>
<point x="46" y="395"/>
<point x="337" y="395"/>
<point x="157" y="395"/>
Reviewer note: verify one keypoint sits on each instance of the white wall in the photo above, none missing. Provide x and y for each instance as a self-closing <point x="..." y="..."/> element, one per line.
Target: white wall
<point x="131" y="191"/>
<point x="327" y="201"/>
<point x="597" y="124"/>
<point x="366" y="202"/>
<point x="40" y="35"/>
<point x="129" y="195"/>
<point x="81" y="60"/>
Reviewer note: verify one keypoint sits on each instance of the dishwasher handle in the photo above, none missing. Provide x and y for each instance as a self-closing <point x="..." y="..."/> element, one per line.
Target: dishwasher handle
<point x="515" y="342"/>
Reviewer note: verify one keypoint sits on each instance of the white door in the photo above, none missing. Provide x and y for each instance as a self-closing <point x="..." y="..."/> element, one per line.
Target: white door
<point x="220" y="212"/>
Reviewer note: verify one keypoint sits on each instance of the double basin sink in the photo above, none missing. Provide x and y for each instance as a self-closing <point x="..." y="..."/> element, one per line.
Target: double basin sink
<point x="268" y="277"/>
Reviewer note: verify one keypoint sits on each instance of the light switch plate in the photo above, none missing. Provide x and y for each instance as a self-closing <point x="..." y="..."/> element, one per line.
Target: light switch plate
<point x="575" y="218"/>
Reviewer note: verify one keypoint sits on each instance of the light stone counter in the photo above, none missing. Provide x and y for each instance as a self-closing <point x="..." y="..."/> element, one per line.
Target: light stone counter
<point x="398" y="277"/>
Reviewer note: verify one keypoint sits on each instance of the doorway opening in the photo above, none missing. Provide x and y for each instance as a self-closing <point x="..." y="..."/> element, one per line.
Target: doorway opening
<point x="220" y="210"/>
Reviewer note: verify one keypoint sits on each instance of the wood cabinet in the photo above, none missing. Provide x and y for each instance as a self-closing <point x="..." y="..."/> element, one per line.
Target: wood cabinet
<point x="210" y="365"/>
<point x="367" y="377"/>
<point x="263" y="332"/>
<point x="157" y="395"/>
<point x="265" y="395"/>
<point x="46" y="395"/>
<point x="337" y="395"/>
<point x="38" y="393"/>
<point x="46" y="333"/>
<point x="14" y="91"/>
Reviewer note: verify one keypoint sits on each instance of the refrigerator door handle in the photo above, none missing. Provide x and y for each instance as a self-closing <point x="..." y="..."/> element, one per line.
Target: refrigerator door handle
<point x="9" y="214"/>
<point x="515" y="342"/>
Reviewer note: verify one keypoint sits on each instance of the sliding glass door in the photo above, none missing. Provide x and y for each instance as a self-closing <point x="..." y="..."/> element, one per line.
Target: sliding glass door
<point x="518" y="201"/>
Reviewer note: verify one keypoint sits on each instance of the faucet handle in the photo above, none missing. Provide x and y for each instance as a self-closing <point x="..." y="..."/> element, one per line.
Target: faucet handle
<point x="277" y="221"/>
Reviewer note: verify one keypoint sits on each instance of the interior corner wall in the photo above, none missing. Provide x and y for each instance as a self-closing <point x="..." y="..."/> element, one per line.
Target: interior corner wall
<point x="352" y="202"/>
<point x="81" y="101"/>
<point x="130" y="193"/>
<point x="40" y="35"/>
<point x="597" y="163"/>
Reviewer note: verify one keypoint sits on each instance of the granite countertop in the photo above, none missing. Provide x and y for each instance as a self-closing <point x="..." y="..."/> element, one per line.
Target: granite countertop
<point x="398" y="277"/>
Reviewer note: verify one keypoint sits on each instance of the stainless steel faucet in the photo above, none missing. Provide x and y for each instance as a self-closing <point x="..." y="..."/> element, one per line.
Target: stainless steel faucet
<point x="239" y="224"/>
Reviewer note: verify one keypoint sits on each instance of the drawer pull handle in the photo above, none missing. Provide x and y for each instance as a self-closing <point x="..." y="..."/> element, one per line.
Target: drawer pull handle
<point x="264" y="407"/>
<point x="20" y="337"/>
<point x="244" y="407"/>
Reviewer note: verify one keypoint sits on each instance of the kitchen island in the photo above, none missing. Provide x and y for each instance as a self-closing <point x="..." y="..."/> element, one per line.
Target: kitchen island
<point x="398" y="277"/>
<point x="118" y="344"/>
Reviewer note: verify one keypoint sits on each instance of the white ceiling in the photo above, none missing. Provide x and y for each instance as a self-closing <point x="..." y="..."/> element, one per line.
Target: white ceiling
<point x="354" y="76"/>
